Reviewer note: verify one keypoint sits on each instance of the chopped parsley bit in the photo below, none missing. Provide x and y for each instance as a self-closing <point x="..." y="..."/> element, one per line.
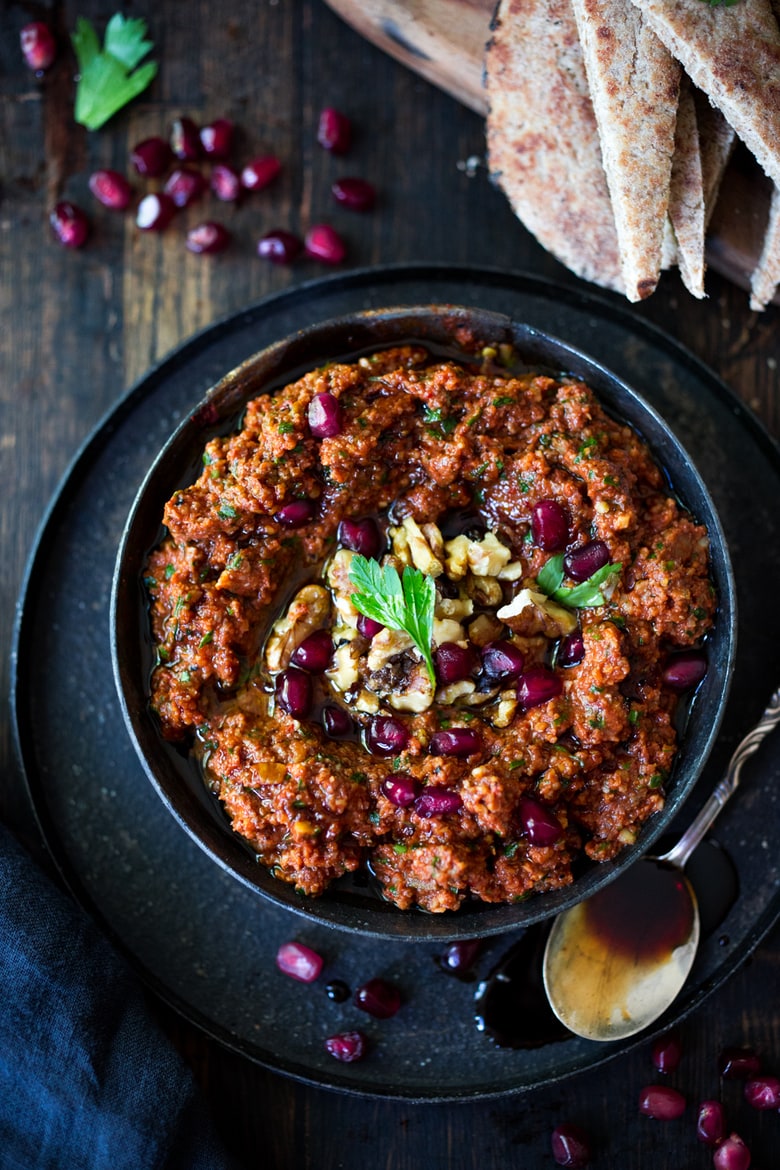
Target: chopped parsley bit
<point x="181" y="601"/>
<point x="610" y="481"/>
<point x="445" y="723"/>
<point x="235" y="561"/>
<point x="150" y="582"/>
<point x="523" y="484"/>
<point x="618" y="620"/>
<point x="598" y="722"/>
<point x="163" y="654"/>
<point x="479" y="496"/>
<point x="207" y="459"/>
<point x="169" y="571"/>
<point x="184" y="676"/>
<point x="516" y="764"/>
<point x="699" y="613"/>
<point x="504" y="400"/>
<point x="633" y="715"/>
<point x="511" y="849"/>
<point x="586" y="448"/>
<point x="286" y="428"/>
<point x="374" y="817"/>
<point x="398" y="848"/>
<point x="481" y="469"/>
<point x="207" y="639"/>
<point x="359" y="777"/>
<point x="669" y="566"/>
<point x="227" y="512"/>
<point x="545" y="440"/>
<point x="656" y="780"/>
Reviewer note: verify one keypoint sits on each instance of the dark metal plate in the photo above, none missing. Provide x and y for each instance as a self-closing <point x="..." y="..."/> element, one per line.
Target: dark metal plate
<point x="201" y="939"/>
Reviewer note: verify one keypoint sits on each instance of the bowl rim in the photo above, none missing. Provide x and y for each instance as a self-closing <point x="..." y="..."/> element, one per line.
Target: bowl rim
<point x="221" y="405"/>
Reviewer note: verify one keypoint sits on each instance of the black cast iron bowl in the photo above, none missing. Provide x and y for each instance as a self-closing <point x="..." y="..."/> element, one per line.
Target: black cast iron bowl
<point x="348" y="904"/>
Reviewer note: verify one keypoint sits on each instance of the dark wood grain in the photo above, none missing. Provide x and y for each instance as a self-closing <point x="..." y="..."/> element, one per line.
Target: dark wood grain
<point x="79" y="328"/>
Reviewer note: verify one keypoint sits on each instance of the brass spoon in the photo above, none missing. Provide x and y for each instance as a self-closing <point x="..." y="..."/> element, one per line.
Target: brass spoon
<point x="614" y="963"/>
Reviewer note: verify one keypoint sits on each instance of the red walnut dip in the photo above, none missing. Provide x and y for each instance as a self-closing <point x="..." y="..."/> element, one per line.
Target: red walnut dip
<point x="565" y="577"/>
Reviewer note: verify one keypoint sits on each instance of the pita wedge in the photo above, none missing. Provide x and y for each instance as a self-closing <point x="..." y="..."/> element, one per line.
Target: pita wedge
<point x="542" y="139"/>
<point x="733" y="54"/>
<point x="766" y="277"/>
<point x="634" y="84"/>
<point x="716" y="144"/>
<point x="686" y="202"/>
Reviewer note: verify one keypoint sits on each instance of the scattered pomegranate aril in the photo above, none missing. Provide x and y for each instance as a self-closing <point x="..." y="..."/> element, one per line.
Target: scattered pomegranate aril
<point x="661" y="1102"/>
<point x="111" y="189"/>
<point x="401" y="790"/>
<point x="570" y="1146"/>
<point x="324" y="415"/>
<point x="152" y="157"/>
<point x="155" y="212"/>
<point x="386" y="736"/>
<point x="347" y="1046"/>
<point x="684" y="671"/>
<point x="216" y="139"/>
<point x="501" y="661"/>
<point x="279" y="246"/>
<point x="355" y="194"/>
<point x="299" y="962"/>
<point x="296" y="513"/>
<point x="710" y="1123"/>
<point x="184" y="186"/>
<point x="208" y="238"/>
<point x="322" y="242"/>
<point x="314" y="653"/>
<point x="571" y="650"/>
<point x="260" y="172"/>
<point x="368" y="627"/>
<point x="294" y="692"/>
<point x="453" y="662"/>
<point x="738" y="1064"/>
<point x="731" y="1154"/>
<point x="536" y="686"/>
<point x="334" y="131"/>
<point x="337" y="722"/>
<point x="361" y="536"/>
<point x="540" y="826"/>
<point x="667" y="1051"/>
<point x="185" y="140"/>
<point x="763" y="1092"/>
<point x="378" y="998"/>
<point x="549" y="525"/>
<point x="39" y="47"/>
<point x="69" y="224"/>
<point x="225" y="183"/>
<point x="437" y="801"/>
<point x="459" y="957"/>
<point x="581" y="563"/>
<point x="457" y="741"/>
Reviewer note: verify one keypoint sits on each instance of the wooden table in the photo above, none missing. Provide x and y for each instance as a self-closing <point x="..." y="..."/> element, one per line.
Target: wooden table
<point x="78" y="328"/>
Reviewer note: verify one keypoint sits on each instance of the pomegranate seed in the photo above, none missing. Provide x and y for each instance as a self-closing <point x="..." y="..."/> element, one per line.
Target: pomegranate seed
<point x="571" y="650"/>
<point x="184" y="186"/>
<point x="337" y="722"/>
<point x="152" y="157"/>
<point x="185" y="140"/>
<point x="437" y="801"/>
<point x="323" y="242"/>
<point x="324" y="416"/>
<point x="347" y="1046"/>
<point x="337" y="990"/>
<point x="225" y="183"/>
<point x="155" y="212"/>
<point x="111" y="189"/>
<point x="731" y="1154"/>
<point x="69" y="224"/>
<point x="738" y="1064"/>
<point x="458" y="741"/>
<point x="334" y="131"/>
<point x="710" y="1123"/>
<point x="667" y="1051"/>
<point x="538" y="685"/>
<point x="684" y="671"/>
<point x="368" y="627"/>
<point x="208" y="238"/>
<point x="38" y="46"/>
<point x="501" y="661"/>
<point x="279" y="246"/>
<point x="549" y="525"/>
<point x="299" y="962"/>
<point x="570" y="1146"/>
<point x="361" y="536"/>
<point x="216" y="139"/>
<point x="379" y="998"/>
<point x="356" y="194"/>
<point x="314" y="653"/>
<point x="386" y="736"/>
<point x="259" y="172"/>
<point x="293" y="692"/>
<point x="460" y="956"/>
<point x="454" y="662"/>
<point x="586" y="560"/>
<point x="400" y="789"/>
<point x="763" y="1092"/>
<point x="296" y="514"/>
<point x="540" y="826"/>
<point x="661" y="1102"/>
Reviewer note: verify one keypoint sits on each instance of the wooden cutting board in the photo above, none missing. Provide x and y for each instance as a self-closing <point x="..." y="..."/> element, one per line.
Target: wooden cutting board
<point x="444" y="41"/>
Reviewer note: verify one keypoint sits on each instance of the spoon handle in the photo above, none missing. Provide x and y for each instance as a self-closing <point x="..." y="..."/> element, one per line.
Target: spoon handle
<point x="679" y="853"/>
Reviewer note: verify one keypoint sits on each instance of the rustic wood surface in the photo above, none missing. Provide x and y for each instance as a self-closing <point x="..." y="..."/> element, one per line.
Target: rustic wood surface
<point x="79" y="327"/>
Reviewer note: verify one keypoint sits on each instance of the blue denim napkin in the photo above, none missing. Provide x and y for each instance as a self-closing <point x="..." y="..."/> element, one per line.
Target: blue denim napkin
<point x="88" y="1080"/>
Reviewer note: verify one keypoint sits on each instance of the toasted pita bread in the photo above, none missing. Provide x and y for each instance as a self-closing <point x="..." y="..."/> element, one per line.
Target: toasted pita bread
<point x="686" y="203"/>
<point x="766" y="277"/>
<point x="543" y="145"/>
<point x="634" y="84"/>
<point x="733" y="54"/>
<point x="716" y="144"/>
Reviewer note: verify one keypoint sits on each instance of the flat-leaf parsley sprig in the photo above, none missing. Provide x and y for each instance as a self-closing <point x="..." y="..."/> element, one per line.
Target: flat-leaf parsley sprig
<point x="108" y="78"/>
<point x="584" y="595"/>
<point x="403" y="603"/>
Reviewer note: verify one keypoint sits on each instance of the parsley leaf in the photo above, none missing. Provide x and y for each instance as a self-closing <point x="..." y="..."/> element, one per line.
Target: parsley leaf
<point x="402" y="603"/>
<point x="584" y="595"/>
<point x="108" y="79"/>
